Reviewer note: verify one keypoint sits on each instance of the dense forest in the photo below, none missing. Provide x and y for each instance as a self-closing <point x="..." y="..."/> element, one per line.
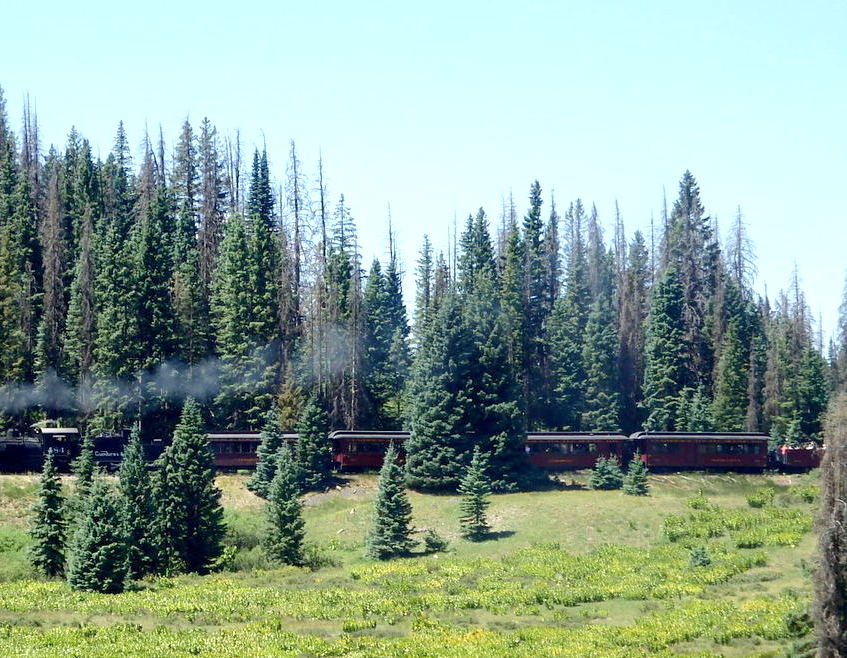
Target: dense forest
<point x="127" y="286"/>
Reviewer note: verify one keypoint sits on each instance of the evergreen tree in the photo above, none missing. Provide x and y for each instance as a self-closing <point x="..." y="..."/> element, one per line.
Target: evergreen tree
<point x="190" y="528"/>
<point x="635" y="480"/>
<point x="48" y="525"/>
<point x="314" y="451"/>
<point x="475" y="489"/>
<point x="266" y="454"/>
<point x="495" y="416"/>
<point x="242" y="362"/>
<point x="664" y="357"/>
<point x="512" y="300"/>
<point x="136" y="487"/>
<point x="97" y="556"/>
<point x="634" y="304"/>
<point x="566" y="331"/>
<point x="390" y="532"/>
<point x="694" y="411"/>
<point x="423" y="286"/>
<point x="599" y="357"/>
<point x="48" y="356"/>
<point x="606" y="474"/>
<point x="378" y="334"/>
<point x="211" y="200"/>
<point x="79" y="327"/>
<point x="284" y="539"/>
<point x="693" y="252"/>
<point x="84" y="468"/>
<point x="440" y="410"/>
<point x="731" y="383"/>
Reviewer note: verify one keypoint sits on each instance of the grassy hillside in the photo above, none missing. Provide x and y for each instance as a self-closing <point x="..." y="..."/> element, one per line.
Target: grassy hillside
<point x="568" y="571"/>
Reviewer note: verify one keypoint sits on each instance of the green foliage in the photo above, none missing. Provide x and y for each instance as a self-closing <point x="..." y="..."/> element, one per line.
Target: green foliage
<point x="606" y="474"/>
<point x="475" y="489"/>
<point x="440" y="405"/>
<point x="136" y="488"/>
<point x="664" y="355"/>
<point x="390" y="533"/>
<point x="314" y="450"/>
<point x="84" y="467"/>
<point x="698" y="502"/>
<point x="284" y="538"/>
<point x="266" y="454"/>
<point x="190" y="517"/>
<point x="762" y="497"/>
<point x="769" y="526"/>
<point x="635" y="480"/>
<point x="434" y="542"/>
<point x="699" y="557"/>
<point x="731" y="383"/>
<point x="48" y="525"/>
<point x="600" y="363"/>
<point x="97" y="556"/>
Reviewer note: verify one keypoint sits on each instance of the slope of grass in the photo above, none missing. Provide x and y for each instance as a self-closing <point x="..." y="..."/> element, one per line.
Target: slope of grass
<point x="568" y="571"/>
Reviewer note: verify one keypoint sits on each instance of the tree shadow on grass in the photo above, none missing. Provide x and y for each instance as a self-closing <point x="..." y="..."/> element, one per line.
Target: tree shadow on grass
<point x="499" y="534"/>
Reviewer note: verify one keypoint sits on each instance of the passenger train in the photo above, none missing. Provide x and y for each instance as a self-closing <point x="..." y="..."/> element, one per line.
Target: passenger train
<point x="365" y="449"/>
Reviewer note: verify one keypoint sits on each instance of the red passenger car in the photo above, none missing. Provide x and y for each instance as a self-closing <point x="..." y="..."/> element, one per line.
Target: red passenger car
<point x="731" y="451"/>
<point x="795" y="459"/>
<point x="237" y="450"/>
<point x="361" y="449"/>
<point x="566" y="451"/>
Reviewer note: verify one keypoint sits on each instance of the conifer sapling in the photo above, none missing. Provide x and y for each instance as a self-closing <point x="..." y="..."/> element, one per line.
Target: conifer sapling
<point x="475" y="489"/>
<point x="284" y="539"/>
<point x="635" y="480"/>
<point x="390" y="532"/>
<point x="97" y="559"/>
<point x="49" y="527"/>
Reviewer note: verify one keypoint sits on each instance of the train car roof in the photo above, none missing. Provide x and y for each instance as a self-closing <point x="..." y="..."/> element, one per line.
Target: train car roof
<point x="244" y="436"/>
<point x="58" y="430"/>
<point x="575" y="436"/>
<point x="702" y="436"/>
<point x="368" y="434"/>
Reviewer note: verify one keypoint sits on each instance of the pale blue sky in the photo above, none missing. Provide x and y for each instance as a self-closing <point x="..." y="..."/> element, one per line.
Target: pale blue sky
<point x="441" y="107"/>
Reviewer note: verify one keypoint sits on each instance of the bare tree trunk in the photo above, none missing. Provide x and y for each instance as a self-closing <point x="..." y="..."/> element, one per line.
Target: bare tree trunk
<point x="831" y="577"/>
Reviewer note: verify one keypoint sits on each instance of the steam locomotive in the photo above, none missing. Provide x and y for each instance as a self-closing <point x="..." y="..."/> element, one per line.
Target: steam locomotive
<point x="365" y="449"/>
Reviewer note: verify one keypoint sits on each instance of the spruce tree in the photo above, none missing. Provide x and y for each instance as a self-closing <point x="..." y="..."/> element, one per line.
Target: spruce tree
<point x="97" y="556"/>
<point x="599" y="357"/>
<point x="266" y="454"/>
<point x="566" y="331"/>
<point x="48" y="525"/>
<point x="286" y="529"/>
<point x="136" y="487"/>
<point x="84" y="468"/>
<point x="664" y="354"/>
<point x="606" y="474"/>
<point x="233" y="331"/>
<point x="475" y="489"/>
<point x="731" y="382"/>
<point x="441" y="409"/>
<point x="314" y="451"/>
<point x="390" y="532"/>
<point x="635" y="480"/>
<point x="190" y="521"/>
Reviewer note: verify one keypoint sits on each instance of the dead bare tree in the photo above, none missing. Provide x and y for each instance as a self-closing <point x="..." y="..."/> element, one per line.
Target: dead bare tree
<point x="831" y="577"/>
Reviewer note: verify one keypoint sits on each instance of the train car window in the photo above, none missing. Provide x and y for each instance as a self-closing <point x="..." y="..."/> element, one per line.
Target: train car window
<point x="664" y="447"/>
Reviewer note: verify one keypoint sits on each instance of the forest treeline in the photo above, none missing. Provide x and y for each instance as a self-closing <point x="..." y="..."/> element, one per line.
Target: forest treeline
<point x="125" y="286"/>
